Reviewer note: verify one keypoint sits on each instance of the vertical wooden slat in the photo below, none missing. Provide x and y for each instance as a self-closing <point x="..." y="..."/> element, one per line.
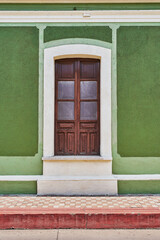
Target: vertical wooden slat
<point x="78" y="106"/>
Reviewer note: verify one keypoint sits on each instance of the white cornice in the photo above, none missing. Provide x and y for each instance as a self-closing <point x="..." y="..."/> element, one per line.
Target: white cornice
<point x="80" y="16"/>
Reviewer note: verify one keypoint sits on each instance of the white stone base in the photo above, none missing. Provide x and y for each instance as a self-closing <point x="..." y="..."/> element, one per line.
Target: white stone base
<point x="77" y="175"/>
<point x="77" y="186"/>
<point x="77" y="168"/>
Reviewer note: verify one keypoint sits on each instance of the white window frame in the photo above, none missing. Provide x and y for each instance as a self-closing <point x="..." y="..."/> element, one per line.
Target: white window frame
<point x="73" y="51"/>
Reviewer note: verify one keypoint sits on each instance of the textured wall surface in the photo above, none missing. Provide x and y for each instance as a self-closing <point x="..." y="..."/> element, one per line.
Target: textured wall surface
<point x="138" y="91"/>
<point x="18" y="91"/>
<point x="54" y="7"/>
<point x="19" y="106"/>
<point x="18" y="187"/>
<point x="99" y="33"/>
<point x="139" y="187"/>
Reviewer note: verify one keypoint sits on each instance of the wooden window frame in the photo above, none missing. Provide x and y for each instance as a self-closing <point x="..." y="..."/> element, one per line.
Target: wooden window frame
<point x="78" y="128"/>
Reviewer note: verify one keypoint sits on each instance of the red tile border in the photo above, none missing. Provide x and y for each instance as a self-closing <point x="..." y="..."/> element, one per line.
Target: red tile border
<point x="82" y="219"/>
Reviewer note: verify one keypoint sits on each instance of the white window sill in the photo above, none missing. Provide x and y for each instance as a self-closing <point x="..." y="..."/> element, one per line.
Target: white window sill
<point x="76" y="158"/>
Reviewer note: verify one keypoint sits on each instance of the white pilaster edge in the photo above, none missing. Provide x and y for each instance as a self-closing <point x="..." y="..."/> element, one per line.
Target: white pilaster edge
<point x="80" y="16"/>
<point x="115" y="177"/>
<point x="71" y="51"/>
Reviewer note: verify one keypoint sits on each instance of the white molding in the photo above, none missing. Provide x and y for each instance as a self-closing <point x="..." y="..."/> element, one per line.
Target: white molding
<point x="75" y="50"/>
<point x="80" y="16"/>
<point x="23" y="178"/>
<point x="138" y="177"/>
<point x="53" y="178"/>
<point x="77" y="158"/>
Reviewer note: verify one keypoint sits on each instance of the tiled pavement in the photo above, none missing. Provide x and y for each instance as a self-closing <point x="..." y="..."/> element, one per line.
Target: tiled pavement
<point x="105" y="202"/>
<point x="55" y="212"/>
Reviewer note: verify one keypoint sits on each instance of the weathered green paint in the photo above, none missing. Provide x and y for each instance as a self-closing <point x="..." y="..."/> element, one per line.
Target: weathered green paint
<point x="138" y="101"/>
<point x="138" y="91"/>
<point x="16" y="187"/>
<point x="139" y="187"/>
<point x="65" y="7"/>
<point x="21" y="165"/>
<point x="18" y="91"/>
<point x="136" y="165"/>
<point x="99" y="33"/>
<point x="19" y="101"/>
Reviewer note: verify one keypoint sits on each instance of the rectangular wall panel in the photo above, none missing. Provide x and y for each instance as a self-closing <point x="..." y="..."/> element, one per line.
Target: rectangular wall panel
<point x="138" y="91"/>
<point x="19" y="91"/>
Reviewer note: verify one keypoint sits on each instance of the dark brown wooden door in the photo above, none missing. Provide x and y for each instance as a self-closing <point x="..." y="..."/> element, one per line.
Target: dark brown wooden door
<point x="77" y="111"/>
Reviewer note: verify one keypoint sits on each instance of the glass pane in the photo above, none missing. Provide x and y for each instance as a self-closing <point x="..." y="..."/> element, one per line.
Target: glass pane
<point x="66" y="90"/>
<point x="88" y="111"/>
<point x="88" y="90"/>
<point x="65" y="110"/>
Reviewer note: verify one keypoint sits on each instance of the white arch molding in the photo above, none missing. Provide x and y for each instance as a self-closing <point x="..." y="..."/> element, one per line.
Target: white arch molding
<point x="73" y="51"/>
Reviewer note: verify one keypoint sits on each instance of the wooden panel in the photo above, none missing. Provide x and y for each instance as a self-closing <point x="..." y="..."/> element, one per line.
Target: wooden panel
<point x="65" y="126"/>
<point x="70" y="143"/>
<point x="87" y="70"/>
<point x="66" y="70"/>
<point x="88" y="126"/>
<point x="83" y="143"/>
<point x="93" y="142"/>
<point x="60" y="143"/>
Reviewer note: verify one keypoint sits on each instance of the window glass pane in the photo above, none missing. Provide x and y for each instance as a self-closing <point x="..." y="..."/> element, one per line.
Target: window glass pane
<point x="65" y="110"/>
<point x="65" y="89"/>
<point x="88" y="90"/>
<point x="88" y="111"/>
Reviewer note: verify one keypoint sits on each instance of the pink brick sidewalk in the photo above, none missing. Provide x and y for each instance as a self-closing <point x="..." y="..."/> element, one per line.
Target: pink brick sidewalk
<point x="79" y="212"/>
<point x="117" y="202"/>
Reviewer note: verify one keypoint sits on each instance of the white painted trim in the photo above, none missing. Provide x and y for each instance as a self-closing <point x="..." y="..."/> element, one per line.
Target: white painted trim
<point x="22" y="178"/>
<point x="75" y="50"/>
<point x="115" y="16"/>
<point x="139" y="177"/>
<point x="55" y="178"/>
<point x="76" y="158"/>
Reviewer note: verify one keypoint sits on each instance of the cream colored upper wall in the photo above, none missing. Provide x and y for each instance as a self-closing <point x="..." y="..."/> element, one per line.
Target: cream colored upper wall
<point x="79" y="1"/>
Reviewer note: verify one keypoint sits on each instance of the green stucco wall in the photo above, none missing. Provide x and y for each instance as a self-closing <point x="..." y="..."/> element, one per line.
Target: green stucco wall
<point x="19" y="102"/>
<point x="138" y="91"/>
<point x="139" y="187"/>
<point x="99" y="33"/>
<point x="138" y="87"/>
<point x="82" y="6"/>
<point x="18" y="91"/>
<point x="16" y="187"/>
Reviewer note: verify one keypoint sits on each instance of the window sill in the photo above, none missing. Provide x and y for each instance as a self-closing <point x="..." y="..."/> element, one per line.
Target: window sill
<point x="76" y="158"/>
